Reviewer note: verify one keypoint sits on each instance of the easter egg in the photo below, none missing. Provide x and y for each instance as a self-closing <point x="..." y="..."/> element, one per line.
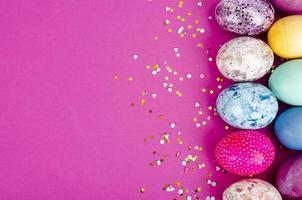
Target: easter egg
<point x="247" y="105"/>
<point x="284" y="37"/>
<point x="286" y="82"/>
<point x="288" y="128"/>
<point x="251" y="189"/>
<point x="288" y="5"/>
<point x="245" y="17"/>
<point x="245" y="152"/>
<point x="244" y="59"/>
<point x="289" y="178"/>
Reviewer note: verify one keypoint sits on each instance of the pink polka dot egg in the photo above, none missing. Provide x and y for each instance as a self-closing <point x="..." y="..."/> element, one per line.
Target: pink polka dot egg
<point x="245" y="153"/>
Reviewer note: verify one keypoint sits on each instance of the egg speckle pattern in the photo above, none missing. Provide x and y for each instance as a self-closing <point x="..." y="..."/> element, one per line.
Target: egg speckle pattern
<point x="251" y="189"/>
<point x="244" y="59"/>
<point x="247" y="105"/>
<point x="245" y="153"/>
<point x="245" y="17"/>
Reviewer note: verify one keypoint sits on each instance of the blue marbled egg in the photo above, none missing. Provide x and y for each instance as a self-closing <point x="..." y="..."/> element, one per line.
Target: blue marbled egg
<point x="288" y="128"/>
<point x="247" y="105"/>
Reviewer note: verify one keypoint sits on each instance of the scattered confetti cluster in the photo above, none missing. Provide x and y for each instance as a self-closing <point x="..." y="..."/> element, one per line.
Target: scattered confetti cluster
<point x="175" y="81"/>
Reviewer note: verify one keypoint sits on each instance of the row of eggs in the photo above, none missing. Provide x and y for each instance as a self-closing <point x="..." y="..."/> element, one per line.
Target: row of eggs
<point x="253" y="106"/>
<point x="288" y="181"/>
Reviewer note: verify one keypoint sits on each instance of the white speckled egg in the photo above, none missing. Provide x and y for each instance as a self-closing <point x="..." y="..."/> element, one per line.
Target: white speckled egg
<point x="244" y="59"/>
<point x="251" y="189"/>
<point x="247" y="105"/>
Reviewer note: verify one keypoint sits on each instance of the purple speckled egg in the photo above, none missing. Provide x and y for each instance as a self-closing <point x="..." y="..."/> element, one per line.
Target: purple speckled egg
<point x="245" y="17"/>
<point x="288" y="5"/>
<point x="289" y="178"/>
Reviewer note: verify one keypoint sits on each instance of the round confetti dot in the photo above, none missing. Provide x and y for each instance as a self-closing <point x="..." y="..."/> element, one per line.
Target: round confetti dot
<point x="201" y="76"/>
<point x="172" y="125"/>
<point x="189" y="76"/>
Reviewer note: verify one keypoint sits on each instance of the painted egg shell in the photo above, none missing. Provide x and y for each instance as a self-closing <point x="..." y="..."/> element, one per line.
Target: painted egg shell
<point x="244" y="59"/>
<point x="286" y="82"/>
<point x="288" y="5"/>
<point x="247" y="105"/>
<point x="284" y="37"/>
<point x="245" y="17"/>
<point x="245" y="152"/>
<point x="251" y="189"/>
<point x="288" y="128"/>
<point x="289" y="178"/>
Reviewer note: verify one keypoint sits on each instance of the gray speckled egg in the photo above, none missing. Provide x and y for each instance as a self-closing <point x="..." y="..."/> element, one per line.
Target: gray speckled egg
<point x="247" y="105"/>
<point x="251" y="189"/>
<point x="244" y="59"/>
<point x="245" y="17"/>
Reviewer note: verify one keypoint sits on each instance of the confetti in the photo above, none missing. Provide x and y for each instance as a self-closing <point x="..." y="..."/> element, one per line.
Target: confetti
<point x="172" y="125"/>
<point x="135" y="56"/>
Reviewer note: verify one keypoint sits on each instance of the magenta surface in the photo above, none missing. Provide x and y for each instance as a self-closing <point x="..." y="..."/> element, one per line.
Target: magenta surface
<point x="82" y="116"/>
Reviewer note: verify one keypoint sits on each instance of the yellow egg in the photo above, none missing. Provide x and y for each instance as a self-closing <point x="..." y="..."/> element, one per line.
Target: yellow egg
<point x="285" y="37"/>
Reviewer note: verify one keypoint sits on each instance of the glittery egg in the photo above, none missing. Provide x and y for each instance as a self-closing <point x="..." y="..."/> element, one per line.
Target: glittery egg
<point x="245" y="152"/>
<point x="289" y="178"/>
<point x="251" y="189"/>
<point x="245" y="17"/>
<point x="247" y="105"/>
<point x="244" y="59"/>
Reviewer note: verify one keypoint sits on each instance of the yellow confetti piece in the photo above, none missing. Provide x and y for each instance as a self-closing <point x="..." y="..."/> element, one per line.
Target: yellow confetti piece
<point x="169" y="30"/>
<point x="193" y="35"/>
<point x="178" y="17"/>
<point x="178" y="93"/>
<point x="148" y="67"/>
<point x="182" y="35"/>
<point x="115" y="77"/>
<point x="142" y="190"/>
<point x="196" y="21"/>
<point x="183" y="19"/>
<point x="204" y="123"/>
<point x="200" y="112"/>
<point x="156" y="37"/>
<point x="211" y="91"/>
<point x="189" y="13"/>
<point x="204" y="90"/>
<point x="194" y="119"/>
<point x="142" y="102"/>
<point x="130" y="79"/>
<point x="189" y="26"/>
<point x="155" y="66"/>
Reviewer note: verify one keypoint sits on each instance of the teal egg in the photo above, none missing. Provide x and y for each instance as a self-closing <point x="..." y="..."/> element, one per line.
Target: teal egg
<point x="286" y="82"/>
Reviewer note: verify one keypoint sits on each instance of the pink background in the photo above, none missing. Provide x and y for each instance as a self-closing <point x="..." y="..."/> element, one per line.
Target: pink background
<point x="72" y="125"/>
